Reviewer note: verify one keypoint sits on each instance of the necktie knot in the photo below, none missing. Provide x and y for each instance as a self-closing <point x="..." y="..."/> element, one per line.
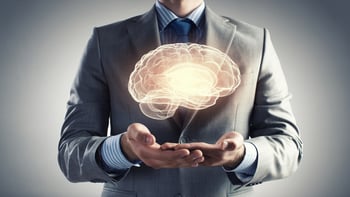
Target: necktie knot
<point x="182" y="28"/>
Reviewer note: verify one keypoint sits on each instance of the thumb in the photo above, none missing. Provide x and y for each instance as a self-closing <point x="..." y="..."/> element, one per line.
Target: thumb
<point x="227" y="145"/>
<point x="141" y="134"/>
<point x="147" y="138"/>
<point x="230" y="141"/>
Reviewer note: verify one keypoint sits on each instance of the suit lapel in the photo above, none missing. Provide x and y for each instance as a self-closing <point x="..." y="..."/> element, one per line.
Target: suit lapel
<point x="219" y="32"/>
<point x="144" y="32"/>
<point x="144" y="35"/>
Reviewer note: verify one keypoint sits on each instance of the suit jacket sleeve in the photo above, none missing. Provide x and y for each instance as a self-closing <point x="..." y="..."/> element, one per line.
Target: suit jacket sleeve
<point x="86" y="121"/>
<point x="273" y="127"/>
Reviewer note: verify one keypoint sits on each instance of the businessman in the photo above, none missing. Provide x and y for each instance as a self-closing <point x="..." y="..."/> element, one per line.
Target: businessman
<point x="246" y="138"/>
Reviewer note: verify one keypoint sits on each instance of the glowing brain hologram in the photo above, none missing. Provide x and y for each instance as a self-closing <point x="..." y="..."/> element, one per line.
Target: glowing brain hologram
<point x="193" y="76"/>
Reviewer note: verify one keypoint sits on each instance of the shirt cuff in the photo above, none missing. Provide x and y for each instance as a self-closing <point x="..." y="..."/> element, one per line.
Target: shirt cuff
<point x="246" y="169"/>
<point x="113" y="156"/>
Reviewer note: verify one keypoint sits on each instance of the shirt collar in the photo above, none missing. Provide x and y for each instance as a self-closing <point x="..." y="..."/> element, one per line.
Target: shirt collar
<point x="165" y="16"/>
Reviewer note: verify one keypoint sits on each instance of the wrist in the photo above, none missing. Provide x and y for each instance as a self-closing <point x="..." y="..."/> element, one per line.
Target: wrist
<point x="237" y="160"/>
<point x="127" y="150"/>
<point x="249" y="162"/>
<point x="113" y="157"/>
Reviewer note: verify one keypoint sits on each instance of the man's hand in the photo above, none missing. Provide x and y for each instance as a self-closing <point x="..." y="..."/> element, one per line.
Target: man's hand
<point x="139" y="144"/>
<point x="228" y="150"/>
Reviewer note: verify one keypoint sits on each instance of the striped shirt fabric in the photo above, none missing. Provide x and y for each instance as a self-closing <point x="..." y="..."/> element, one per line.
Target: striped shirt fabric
<point x="166" y="16"/>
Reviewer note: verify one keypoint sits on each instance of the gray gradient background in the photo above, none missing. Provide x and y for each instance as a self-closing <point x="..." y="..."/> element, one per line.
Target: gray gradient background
<point x="41" y="43"/>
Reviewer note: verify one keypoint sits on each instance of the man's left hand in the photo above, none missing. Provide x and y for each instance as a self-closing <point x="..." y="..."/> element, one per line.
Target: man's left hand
<point x="228" y="151"/>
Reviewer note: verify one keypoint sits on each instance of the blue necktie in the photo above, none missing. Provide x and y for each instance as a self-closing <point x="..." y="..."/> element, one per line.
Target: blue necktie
<point x="182" y="29"/>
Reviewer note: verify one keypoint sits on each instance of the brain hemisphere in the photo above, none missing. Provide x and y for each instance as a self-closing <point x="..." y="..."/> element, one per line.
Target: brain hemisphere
<point x="189" y="75"/>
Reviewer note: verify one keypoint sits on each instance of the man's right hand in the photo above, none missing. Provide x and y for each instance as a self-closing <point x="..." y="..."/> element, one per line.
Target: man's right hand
<point x="139" y="144"/>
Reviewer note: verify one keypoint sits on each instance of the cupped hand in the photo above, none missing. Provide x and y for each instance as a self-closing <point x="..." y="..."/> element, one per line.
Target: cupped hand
<point x="228" y="151"/>
<point x="138" y="143"/>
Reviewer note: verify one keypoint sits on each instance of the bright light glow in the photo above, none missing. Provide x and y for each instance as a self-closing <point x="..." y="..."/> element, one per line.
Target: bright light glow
<point x="189" y="75"/>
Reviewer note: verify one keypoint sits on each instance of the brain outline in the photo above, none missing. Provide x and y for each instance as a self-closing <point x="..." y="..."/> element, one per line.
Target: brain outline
<point x="193" y="76"/>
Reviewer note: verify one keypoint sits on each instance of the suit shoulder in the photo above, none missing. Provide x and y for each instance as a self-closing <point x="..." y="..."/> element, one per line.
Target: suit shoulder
<point x="118" y="25"/>
<point x="108" y="33"/>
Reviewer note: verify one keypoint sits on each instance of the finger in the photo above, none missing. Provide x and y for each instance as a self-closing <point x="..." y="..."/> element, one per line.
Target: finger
<point x="230" y="141"/>
<point x="199" y="160"/>
<point x="182" y="153"/>
<point x="195" y="145"/>
<point x="168" y="146"/>
<point x="174" y="159"/>
<point x="193" y="157"/>
<point x="140" y="133"/>
<point x="167" y="159"/>
<point x="196" y="154"/>
<point x="182" y="146"/>
<point x="168" y="155"/>
<point x="145" y="138"/>
<point x="228" y="145"/>
<point x="189" y="161"/>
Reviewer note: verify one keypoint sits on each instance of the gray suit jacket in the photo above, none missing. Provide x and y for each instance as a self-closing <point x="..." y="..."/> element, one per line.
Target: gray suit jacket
<point x="259" y="109"/>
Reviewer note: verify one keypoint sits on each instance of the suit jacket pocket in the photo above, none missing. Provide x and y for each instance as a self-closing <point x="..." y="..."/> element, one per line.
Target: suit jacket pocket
<point x="111" y="192"/>
<point x="243" y="192"/>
